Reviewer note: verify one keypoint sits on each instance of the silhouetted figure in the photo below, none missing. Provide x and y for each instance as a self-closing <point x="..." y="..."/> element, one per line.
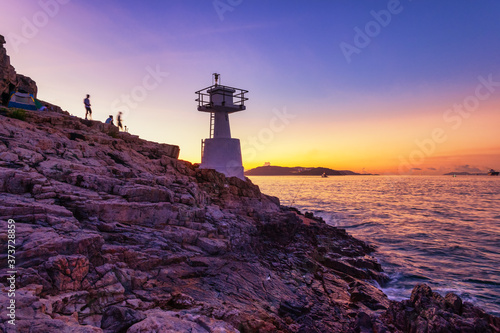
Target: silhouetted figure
<point x="109" y="120"/>
<point x="88" y="110"/>
<point x="119" y="120"/>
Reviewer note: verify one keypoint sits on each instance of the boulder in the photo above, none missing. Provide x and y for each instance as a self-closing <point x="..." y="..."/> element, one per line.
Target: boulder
<point x="26" y="84"/>
<point x="427" y="311"/>
<point x="173" y="322"/>
<point x="120" y="318"/>
<point x="67" y="272"/>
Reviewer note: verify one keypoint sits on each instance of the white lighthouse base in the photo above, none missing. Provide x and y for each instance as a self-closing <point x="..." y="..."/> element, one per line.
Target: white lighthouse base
<point x="223" y="155"/>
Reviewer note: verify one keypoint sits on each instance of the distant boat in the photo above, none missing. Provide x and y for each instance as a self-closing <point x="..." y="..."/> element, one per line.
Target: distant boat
<point x="493" y="173"/>
<point x="324" y="175"/>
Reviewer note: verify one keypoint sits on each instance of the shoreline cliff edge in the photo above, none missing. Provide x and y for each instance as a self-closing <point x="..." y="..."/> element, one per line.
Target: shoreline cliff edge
<point x="115" y="234"/>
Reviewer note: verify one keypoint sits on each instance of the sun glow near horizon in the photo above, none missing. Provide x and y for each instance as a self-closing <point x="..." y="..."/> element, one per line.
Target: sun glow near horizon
<point x="375" y="113"/>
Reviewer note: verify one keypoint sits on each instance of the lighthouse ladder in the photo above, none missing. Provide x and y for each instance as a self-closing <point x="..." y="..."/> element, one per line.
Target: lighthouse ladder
<point x="202" y="149"/>
<point x="212" y="123"/>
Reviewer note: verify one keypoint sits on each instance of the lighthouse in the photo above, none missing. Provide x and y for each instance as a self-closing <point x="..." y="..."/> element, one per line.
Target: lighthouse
<point x="220" y="151"/>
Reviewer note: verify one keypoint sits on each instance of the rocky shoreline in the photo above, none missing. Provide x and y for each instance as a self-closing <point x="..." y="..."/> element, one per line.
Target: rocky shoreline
<point x="115" y="234"/>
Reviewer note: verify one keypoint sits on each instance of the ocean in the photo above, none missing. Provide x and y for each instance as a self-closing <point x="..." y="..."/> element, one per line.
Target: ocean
<point x="440" y="230"/>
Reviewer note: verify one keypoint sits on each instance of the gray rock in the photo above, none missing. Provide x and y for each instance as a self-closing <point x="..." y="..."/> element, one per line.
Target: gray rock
<point x="118" y="319"/>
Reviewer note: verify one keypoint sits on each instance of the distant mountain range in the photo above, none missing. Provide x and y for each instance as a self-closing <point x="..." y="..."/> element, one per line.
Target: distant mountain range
<point x="297" y="171"/>
<point x="465" y="174"/>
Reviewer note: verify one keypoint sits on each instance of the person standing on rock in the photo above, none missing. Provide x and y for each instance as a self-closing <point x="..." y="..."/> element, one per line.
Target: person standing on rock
<point x="88" y="110"/>
<point x="119" y="120"/>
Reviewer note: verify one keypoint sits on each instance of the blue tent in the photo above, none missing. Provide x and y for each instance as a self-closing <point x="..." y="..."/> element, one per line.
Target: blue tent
<point x="22" y="101"/>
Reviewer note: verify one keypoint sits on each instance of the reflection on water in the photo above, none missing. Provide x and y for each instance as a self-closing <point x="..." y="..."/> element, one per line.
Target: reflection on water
<point x="442" y="230"/>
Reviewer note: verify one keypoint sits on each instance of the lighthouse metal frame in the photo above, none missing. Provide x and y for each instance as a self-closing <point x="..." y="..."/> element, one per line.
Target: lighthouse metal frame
<point x="220" y="151"/>
<point x="206" y="104"/>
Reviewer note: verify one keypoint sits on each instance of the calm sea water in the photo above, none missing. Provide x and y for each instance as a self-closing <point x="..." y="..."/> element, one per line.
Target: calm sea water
<point x="440" y="230"/>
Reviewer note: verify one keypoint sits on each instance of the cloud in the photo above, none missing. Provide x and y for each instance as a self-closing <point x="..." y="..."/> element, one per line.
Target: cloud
<point x="415" y="169"/>
<point x="432" y="169"/>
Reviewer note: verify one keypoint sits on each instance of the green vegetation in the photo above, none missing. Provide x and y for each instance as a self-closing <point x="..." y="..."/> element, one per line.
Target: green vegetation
<point x="17" y="114"/>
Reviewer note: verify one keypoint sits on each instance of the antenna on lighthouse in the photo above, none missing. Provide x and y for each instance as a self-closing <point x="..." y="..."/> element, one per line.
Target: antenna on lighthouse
<point x="216" y="78"/>
<point x="220" y="151"/>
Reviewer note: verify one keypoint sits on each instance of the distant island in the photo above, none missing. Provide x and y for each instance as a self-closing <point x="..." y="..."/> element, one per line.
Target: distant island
<point x="464" y="174"/>
<point x="268" y="170"/>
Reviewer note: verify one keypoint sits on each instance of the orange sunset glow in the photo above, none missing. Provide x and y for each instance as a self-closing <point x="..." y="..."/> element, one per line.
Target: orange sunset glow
<point x="365" y="110"/>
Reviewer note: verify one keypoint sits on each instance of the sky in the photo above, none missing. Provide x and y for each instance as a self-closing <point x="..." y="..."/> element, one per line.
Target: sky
<point x="390" y="87"/>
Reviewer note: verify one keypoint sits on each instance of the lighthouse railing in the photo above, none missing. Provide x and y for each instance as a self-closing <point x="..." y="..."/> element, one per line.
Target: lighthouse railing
<point x="204" y="96"/>
<point x="239" y="97"/>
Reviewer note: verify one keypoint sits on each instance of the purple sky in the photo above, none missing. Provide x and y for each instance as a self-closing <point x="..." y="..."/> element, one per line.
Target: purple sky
<point x="341" y="84"/>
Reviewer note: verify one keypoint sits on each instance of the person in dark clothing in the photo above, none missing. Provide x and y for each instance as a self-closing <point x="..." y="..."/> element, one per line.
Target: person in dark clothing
<point x="119" y="120"/>
<point x="88" y="110"/>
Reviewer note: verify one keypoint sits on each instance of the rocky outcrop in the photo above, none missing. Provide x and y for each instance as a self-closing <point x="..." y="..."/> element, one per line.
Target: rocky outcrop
<point x="25" y="83"/>
<point x="10" y="80"/>
<point x="115" y="234"/>
<point x="7" y="74"/>
<point x="427" y="311"/>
